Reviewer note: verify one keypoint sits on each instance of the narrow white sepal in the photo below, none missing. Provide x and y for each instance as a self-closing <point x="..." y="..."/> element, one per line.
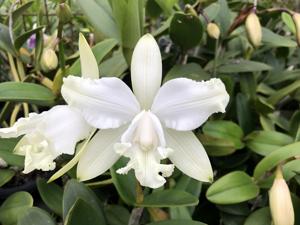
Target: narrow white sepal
<point x="188" y="155"/>
<point x="99" y="155"/>
<point x="89" y="65"/>
<point x="146" y="70"/>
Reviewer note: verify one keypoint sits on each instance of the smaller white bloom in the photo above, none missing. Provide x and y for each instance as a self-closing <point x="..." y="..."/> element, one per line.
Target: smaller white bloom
<point x="47" y="135"/>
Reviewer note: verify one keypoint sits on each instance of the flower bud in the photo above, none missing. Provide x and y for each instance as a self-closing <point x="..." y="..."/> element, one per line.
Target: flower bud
<point x="49" y="60"/>
<point x="296" y="19"/>
<point x="253" y="29"/>
<point x="280" y="201"/>
<point x="213" y="30"/>
<point x="63" y="12"/>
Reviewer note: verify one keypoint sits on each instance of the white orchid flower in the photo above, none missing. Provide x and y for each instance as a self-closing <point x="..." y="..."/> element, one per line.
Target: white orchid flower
<point x="47" y="135"/>
<point x="148" y="126"/>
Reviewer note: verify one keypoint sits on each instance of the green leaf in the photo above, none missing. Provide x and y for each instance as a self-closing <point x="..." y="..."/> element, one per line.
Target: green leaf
<point x="271" y="39"/>
<point x="265" y="142"/>
<point x="51" y="194"/>
<point x="125" y="184"/>
<point x="224" y="17"/>
<point x="242" y="66"/>
<point x="226" y="130"/>
<point x="14" y="207"/>
<point x="212" y="10"/>
<point x="259" y="217"/>
<point x="115" y="66"/>
<point x="177" y="222"/>
<point x="5" y="41"/>
<point x="100" y="50"/>
<point x="36" y="216"/>
<point x="186" y="30"/>
<point x="232" y="188"/>
<point x="26" y="92"/>
<point x="83" y="213"/>
<point x="95" y="13"/>
<point x="74" y="191"/>
<point x="20" y="40"/>
<point x="244" y="113"/>
<point x="288" y="20"/>
<point x="281" y="93"/>
<point x="116" y="214"/>
<point x="169" y="198"/>
<point x="21" y="10"/>
<point x="7" y="146"/>
<point x="6" y="175"/>
<point x="167" y="5"/>
<point x="275" y="158"/>
<point x="191" y="70"/>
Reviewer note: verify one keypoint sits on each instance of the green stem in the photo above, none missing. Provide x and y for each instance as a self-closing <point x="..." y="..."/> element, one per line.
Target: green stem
<point x="139" y="193"/>
<point x="216" y="58"/>
<point x="61" y="51"/>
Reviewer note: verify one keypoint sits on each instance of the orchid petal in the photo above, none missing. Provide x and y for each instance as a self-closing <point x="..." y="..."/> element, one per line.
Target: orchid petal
<point x="146" y="70"/>
<point x="104" y="103"/>
<point x="188" y="155"/>
<point x="89" y="65"/>
<point x="184" y="104"/>
<point x="99" y="155"/>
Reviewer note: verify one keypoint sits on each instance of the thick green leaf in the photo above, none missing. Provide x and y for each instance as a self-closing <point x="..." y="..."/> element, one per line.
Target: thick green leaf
<point x="14" y="207"/>
<point x="21" y="10"/>
<point x="19" y="41"/>
<point x="265" y="142"/>
<point x="169" y="198"/>
<point x="95" y="13"/>
<point x="274" y="158"/>
<point x="232" y="188"/>
<point x="26" y="92"/>
<point x="288" y="20"/>
<point x="259" y="217"/>
<point x="36" y="216"/>
<point x="216" y="146"/>
<point x="244" y="113"/>
<point x="100" y="50"/>
<point x="51" y="194"/>
<point x="83" y="213"/>
<point x="12" y="159"/>
<point x="6" y="175"/>
<point x="212" y="10"/>
<point x="5" y="41"/>
<point x="242" y="66"/>
<point x="224" y="17"/>
<point x="281" y="93"/>
<point x="186" y="30"/>
<point x="177" y="222"/>
<point x="274" y="40"/>
<point x="116" y="214"/>
<point x="115" y="66"/>
<point x="74" y="191"/>
<point x="167" y="5"/>
<point x="125" y="184"/>
<point x="191" y="70"/>
<point x="226" y="130"/>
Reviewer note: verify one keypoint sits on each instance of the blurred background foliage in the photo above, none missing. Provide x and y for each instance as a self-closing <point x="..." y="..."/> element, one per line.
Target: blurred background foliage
<point x="39" y="46"/>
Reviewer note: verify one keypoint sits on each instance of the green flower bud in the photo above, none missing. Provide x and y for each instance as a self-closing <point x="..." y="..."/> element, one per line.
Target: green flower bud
<point x="253" y="29"/>
<point x="213" y="30"/>
<point x="280" y="201"/>
<point x="64" y="13"/>
<point x="49" y="60"/>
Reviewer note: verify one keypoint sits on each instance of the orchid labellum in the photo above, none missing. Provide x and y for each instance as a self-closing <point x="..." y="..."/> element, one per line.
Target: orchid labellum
<point x="148" y="126"/>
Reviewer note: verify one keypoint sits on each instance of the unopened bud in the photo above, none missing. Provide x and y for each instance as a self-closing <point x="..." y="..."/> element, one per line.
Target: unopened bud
<point x="64" y="13"/>
<point x="213" y="30"/>
<point x="49" y="60"/>
<point x="190" y="10"/>
<point x="296" y="19"/>
<point x="280" y="201"/>
<point x="253" y="29"/>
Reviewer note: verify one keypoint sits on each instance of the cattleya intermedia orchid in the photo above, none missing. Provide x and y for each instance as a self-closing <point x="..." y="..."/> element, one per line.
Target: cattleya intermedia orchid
<point x="148" y="126"/>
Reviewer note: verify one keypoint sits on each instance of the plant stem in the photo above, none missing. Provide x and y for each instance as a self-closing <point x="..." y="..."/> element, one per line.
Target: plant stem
<point x="13" y="67"/>
<point x="215" y="58"/>
<point x="100" y="183"/>
<point x="139" y="193"/>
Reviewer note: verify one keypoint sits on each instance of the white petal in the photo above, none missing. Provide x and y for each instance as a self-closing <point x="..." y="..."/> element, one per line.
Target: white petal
<point x="104" y="103"/>
<point x="64" y="126"/>
<point x="188" y="155"/>
<point x="37" y="152"/>
<point x="99" y="155"/>
<point x="22" y="126"/>
<point x="89" y="66"/>
<point x="146" y="70"/>
<point x="184" y="104"/>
